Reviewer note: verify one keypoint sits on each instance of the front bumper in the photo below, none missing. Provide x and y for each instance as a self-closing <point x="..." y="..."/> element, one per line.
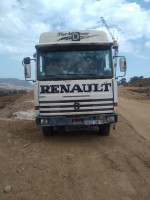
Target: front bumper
<point x="77" y="120"/>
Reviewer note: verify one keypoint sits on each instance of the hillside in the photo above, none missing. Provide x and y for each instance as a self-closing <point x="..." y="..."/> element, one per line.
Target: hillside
<point x="14" y="82"/>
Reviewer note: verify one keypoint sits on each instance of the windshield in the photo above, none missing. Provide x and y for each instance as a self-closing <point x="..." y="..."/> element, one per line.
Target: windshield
<point x="74" y="64"/>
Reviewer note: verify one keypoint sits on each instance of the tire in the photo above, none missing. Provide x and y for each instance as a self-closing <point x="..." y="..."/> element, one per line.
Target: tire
<point x="47" y="130"/>
<point x="104" y="129"/>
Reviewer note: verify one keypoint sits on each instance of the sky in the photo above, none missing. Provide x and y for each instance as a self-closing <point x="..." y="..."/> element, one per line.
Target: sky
<point x="22" y="22"/>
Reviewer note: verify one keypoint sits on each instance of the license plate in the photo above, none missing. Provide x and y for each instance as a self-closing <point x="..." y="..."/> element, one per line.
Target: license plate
<point x="77" y="120"/>
<point x="90" y="122"/>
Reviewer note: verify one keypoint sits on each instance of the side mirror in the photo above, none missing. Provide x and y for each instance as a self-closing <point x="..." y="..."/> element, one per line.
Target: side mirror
<point x="27" y="71"/>
<point x="26" y="60"/>
<point x="123" y="64"/>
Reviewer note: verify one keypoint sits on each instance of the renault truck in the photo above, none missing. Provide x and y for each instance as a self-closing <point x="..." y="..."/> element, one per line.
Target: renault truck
<point x="75" y="82"/>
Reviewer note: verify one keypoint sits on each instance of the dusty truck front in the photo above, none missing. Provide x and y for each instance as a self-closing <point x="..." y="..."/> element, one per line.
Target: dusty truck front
<point x="75" y="82"/>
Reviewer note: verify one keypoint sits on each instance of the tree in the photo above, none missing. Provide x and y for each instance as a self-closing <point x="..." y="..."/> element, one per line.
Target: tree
<point x="123" y="81"/>
<point x="134" y="78"/>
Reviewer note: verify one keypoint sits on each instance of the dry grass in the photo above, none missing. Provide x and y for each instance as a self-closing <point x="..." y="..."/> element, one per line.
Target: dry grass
<point x="8" y="99"/>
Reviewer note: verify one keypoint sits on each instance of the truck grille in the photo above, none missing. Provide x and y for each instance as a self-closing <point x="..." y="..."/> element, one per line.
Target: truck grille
<point x="75" y="107"/>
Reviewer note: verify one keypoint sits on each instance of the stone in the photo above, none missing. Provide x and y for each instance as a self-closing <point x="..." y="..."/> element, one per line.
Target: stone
<point x="18" y="170"/>
<point x="7" y="188"/>
<point x="26" y="145"/>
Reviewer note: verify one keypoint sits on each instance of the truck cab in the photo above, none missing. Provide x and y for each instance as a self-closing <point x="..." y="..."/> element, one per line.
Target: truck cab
<point x="75" y="83"/>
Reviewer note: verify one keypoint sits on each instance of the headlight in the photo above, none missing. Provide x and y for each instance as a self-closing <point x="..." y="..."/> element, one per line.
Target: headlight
<point x="44" y="121"/>
<point x="110" y="119"/>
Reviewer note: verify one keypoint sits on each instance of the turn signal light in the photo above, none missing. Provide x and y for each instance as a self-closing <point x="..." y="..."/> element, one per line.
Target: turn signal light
<point x="115" y="42"/>
<point x="116" y="104"/>
<point x="36" y="107"/>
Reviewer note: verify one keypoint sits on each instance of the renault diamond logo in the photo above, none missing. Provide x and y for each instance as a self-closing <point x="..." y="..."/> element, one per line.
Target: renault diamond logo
<point x="76" y="106"/>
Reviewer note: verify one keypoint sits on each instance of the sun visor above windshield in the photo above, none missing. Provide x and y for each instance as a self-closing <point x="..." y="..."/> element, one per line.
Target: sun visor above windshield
<point x="73" y="37"/>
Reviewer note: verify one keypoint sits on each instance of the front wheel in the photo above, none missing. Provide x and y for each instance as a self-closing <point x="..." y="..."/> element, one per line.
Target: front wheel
<point x="104" y="129"/>
<point x="47" y="130"/>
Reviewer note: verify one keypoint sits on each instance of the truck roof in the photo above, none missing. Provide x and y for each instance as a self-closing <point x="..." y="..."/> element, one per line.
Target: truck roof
<point x="73" y="37"/>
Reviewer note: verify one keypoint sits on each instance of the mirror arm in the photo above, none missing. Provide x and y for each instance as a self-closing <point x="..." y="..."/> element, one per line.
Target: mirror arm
<point x="33" y="59"/>
<point x="23" y="63"/>
<point x="118" y="57"/>
<point x="30" y="80"/>
<point x="30" y="59"/>
<point x="121" y="76"/>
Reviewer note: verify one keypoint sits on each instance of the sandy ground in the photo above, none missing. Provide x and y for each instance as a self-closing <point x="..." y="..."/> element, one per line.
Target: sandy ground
<point x="76" y="165"/>
<point x="137" y="113"/>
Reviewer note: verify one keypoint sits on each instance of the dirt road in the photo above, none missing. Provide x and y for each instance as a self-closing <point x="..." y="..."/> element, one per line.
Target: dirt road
<point x="136" y="112"/>
<point x="76" y="165"/>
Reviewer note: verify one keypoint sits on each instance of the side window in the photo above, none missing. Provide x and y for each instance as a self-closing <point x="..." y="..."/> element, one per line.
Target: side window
<point x="107" y="66"/>
<point x="41" y="68"/>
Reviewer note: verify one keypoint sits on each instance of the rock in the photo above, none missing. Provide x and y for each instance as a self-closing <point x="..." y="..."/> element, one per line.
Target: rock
<point x="22" y="168"/>
<point x="7" y="188"/>
<point x="35" y="166"/>
<point x="26" y="145"/>
<point x="18" y="170"/>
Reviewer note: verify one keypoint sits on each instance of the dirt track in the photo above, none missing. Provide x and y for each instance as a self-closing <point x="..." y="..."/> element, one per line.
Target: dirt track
<point x="77" y="165"/>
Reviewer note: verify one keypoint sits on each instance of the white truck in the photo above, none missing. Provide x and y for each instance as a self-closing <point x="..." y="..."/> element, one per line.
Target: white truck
<point x="75" y="80"/>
